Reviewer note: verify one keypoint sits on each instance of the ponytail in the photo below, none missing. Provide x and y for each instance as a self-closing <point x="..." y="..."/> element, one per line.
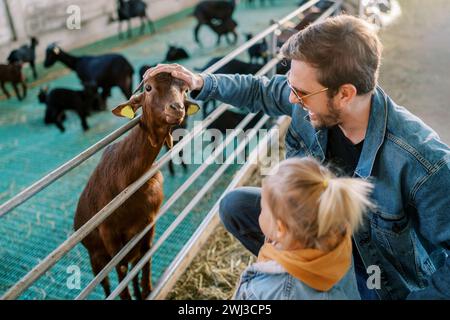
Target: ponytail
<point x="316" y="207"/>
<point x="343" y="202"/>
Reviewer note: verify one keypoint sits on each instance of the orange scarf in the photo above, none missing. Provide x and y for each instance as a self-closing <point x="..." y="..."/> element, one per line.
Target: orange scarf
<point x="319" y="270"/>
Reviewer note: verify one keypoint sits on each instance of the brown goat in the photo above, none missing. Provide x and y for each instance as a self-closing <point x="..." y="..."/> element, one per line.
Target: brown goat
<point x="164" y="105"/>
<point x="13" y="73"/>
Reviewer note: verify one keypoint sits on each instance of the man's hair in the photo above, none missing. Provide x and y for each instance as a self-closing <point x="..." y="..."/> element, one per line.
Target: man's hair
<point x="343" y="49"/>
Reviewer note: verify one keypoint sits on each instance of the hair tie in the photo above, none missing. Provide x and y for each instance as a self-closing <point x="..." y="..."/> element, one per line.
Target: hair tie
<point x="325" y="183"/>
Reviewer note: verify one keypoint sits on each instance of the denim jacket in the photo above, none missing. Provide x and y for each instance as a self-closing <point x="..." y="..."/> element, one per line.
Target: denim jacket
<point x="269" y="281"/>
<point x="408" y="235"/>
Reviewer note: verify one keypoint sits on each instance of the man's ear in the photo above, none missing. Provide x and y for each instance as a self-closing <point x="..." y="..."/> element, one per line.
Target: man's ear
<point x="346" y="94"/>
<point x="190" y="106"/>
<point x="129" y="108"/>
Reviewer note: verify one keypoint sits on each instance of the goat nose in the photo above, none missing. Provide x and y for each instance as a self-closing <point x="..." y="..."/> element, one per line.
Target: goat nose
<point x="175" y="106"/>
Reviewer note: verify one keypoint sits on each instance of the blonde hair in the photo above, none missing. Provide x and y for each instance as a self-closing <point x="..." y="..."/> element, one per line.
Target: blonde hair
<point x="316" y="207"/>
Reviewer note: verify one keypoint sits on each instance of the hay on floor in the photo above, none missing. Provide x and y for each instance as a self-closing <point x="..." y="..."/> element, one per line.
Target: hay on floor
<point x="215" y="271"/>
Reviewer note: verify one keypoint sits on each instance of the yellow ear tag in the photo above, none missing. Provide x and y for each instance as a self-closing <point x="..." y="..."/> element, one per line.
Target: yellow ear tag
<point x="127" y="111"/>
<point x="192" y="109"/>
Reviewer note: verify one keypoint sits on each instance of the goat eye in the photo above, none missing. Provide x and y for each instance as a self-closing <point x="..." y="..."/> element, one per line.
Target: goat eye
<point x="148" y="88"/>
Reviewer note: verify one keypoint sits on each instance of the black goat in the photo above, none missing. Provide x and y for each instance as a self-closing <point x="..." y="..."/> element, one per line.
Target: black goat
<point x="224" y="28"/>
<point x="208" y="11"/>
<point x="105" y="71"/>
<point x="313" y="13"/>
<point x="232" y="67"/>
<point x="143" y="69"/>
<point x="238" y="66"/>
<point x="13" y="73"/>
<point x="175" y="53"/>
<point x="310" y="16"/>
<point x="258" y="50"/>
<point x="59" y="100"/>
<point x="262" y="2"/>
<point x="230" y="119"/>
<point x="25" y="53"/>
<point x="322" y="4"/>
<point x="133" y="9"/>
<point x="241" y="67"/>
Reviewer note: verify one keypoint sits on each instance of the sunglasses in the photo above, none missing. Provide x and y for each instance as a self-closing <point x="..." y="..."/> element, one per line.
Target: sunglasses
<point x="300" y="96"/>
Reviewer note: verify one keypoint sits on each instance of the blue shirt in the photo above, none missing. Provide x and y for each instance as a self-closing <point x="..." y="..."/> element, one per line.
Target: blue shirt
<point x="269" y="281"/>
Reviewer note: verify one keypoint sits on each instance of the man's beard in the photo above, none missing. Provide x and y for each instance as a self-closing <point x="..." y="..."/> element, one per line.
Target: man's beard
<point x="328" y="120"/>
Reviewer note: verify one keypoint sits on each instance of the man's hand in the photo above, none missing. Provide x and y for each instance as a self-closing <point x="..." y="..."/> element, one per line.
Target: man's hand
<point x="193" y="80"/>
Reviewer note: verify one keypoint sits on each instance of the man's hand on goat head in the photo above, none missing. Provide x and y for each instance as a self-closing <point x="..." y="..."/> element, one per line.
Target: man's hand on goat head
<point x="193" y="80"/>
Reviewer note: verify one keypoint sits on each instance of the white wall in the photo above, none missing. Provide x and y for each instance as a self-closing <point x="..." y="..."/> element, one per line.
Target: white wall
<point x="5" y="31"/>
<point x="46" y="19"/>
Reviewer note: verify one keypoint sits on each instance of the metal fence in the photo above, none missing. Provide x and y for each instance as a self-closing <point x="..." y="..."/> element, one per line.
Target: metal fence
<point x="168" y="277"/>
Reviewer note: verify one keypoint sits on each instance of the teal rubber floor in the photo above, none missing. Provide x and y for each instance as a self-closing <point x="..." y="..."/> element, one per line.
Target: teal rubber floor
<point x="29" y="150"/>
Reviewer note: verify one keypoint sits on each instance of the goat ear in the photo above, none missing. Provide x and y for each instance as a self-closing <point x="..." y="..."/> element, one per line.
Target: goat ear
<point x="128" y="109"/>
<point x="169" y="140"/>
<point x="190" y="106"/>
<point x="124" y="110"/>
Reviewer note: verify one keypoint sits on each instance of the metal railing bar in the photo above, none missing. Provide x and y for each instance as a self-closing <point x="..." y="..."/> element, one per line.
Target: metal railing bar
<point x="83" y="156"/>
<point x="233" y="54"/>
<point x="192" y="241"/>
<point x="63" y="169"/>
<point x="130" y="245"/>
<point x="81" y="233"/>
<point x="78" y="235"/>
<point x="329" y="11"/>
<point x="104" y="213"/>
<point x="76" y="161"/>
<point x="113" y="262"/>
<point x="124" y="283"/>
<point x="168" y="273"/>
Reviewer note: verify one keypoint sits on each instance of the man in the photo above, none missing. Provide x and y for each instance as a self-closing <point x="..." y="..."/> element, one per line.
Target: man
<point x="340" y="115"/>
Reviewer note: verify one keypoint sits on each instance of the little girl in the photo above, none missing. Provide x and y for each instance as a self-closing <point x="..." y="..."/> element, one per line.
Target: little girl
<point x="308" y="216"/>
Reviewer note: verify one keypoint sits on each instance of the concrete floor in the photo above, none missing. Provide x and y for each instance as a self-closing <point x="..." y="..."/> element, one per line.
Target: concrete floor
<point x="416" y="63"/>
<point x="29" y="150"/>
